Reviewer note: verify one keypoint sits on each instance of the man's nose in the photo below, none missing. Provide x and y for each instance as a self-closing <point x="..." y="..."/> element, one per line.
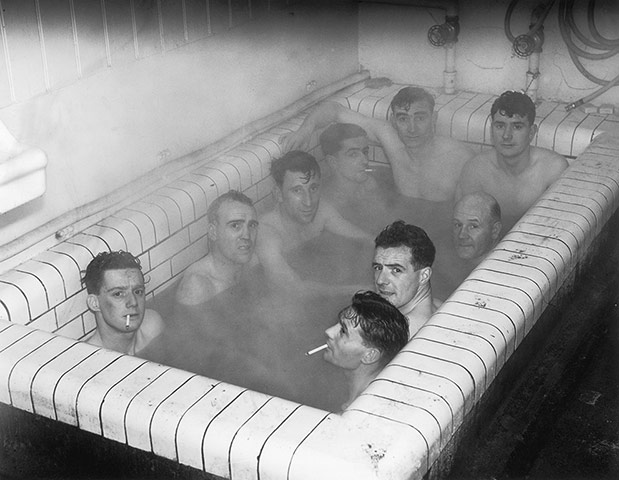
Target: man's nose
<point x="381" y="278"/>
<point x="463" y="233"/>
<point x="507" y="133"/>
<point x="329" y="332"/>
<point x="132" y="299"/>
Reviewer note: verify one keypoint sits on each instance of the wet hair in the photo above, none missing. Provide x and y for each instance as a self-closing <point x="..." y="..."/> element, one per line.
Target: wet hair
<point x="400" y="234"/>
<point x="409" y="95"/>
<point x="212" y="214"/>
<point x="332" y="137"/>
<point x="381" y="325"/>
<point x="120" y="260"/>
<point x="294" y="161"/>
<point x="514" y="103"/>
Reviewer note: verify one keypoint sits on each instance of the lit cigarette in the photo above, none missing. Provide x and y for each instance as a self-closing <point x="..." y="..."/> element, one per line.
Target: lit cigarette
<point x="128" y="322"/>
<point x="317" y="349"/>
<point x="369" y="169"/>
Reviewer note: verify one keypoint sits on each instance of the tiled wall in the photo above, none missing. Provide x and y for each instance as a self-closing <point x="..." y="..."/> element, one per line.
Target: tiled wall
<point x="399" y="425"/>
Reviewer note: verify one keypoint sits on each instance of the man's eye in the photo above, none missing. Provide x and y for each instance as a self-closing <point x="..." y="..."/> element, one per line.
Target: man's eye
<point x="396" y="270"/>
<point x="235" y="225"/>
<point x="117" y="294"/>
<point x="314" y="188"/>
<point x="377" y="268"/>
<point x="139" y="291"/>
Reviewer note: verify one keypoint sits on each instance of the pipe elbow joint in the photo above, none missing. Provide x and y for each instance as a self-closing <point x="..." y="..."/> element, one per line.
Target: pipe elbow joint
<point x="441" y="35"/>
<point x="526" y="44"/>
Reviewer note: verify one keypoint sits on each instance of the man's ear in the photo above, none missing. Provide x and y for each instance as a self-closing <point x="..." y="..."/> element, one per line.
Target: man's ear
<point x="211" y="232"/>
<point x="92" y="301"/>
<point x="425" y="274"/>
<point x="371" y="355"/>
<point x="496" y="229"/>
<point x="532" y="132"/>
<point x="277" y="193"/>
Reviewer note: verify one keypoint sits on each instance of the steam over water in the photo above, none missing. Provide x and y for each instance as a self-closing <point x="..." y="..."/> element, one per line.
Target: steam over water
<point x="254" y="337"/>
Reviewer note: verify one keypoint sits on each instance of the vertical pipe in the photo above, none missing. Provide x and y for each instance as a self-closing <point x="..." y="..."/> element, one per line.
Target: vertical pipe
<point x="37" y="8"/>
<point x="7" y="57"/>
<point x="209" y="30"/>
<point x="160" y="18"/>
<point x="533" y="76"/>
<point x="76" y="43"/>
<point x="134" y="26"/>
<point x="106" y="35"/>
<point x="449" y="75"/>
<point x="185" y="31"/>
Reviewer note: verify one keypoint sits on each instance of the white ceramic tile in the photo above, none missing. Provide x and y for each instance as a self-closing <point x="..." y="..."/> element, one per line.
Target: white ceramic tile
<point x="69" y="385"/>
<point x="4" y="312"/>
<point x="223" y="429"/>
<point x="127" y="230"/>
<point x="158" y="276"/>
<point x="28" y="286"/>
<point x="46" y="379"/>
<point x="444" y="392"/>
<point x="247" y="441"/>
<point x="91" y="396"/>
<point x="72" y="307"/>
<point x="540" y="245"/>
<point x="540" y="283"/>
<point x="111" y="237"/>
<point x="248" y="164"/>
<point x="143" y="224"/>
<point x="461" y="120"/>
<point x="171" y="211"/>
<point x="497" y="331"/>
<point x="194" y="252"/>
<point x="446" y="114"/>
<point x="16" y="345"/>
<point x="595" y="181"/>
<point x="440" y="368"/>
<point x="412" y="406"/>
<point x="93" y="244"/>
<point x="282" y="444"/>
<point x="192" y="427"/>
<point x="584" y="133"/>
<point x="11" y="333"/>
<point x="195" y="193"/>
<point x="46" y="321"/>
<point x="117" y="399"/>
<point x="183" y="201"/>
<point x="168" y="247"/>
<point x="151" y="218"/>
<point x="198" y="229"/>
<point x="49" y="277"/>
<point x="547" y="130"/>
<point x="66" y="267"/>
<point x="73" y="328"/>
<point x="564" y="136"/>
<point x="14" y="302"/>
<point x="585" y="210"/>
<point x="166" y="418"/>
<point x="227" y="174"/>
<point x="211" y="188"/>
<point x="476" y="354"/>
<point x="24" y="371"/>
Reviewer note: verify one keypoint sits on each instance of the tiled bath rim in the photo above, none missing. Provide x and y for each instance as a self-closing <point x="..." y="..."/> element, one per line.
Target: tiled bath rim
<point x="398" y="427"/>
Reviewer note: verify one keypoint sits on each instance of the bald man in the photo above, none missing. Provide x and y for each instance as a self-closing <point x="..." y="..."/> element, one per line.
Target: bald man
<point x="476" y="226"/>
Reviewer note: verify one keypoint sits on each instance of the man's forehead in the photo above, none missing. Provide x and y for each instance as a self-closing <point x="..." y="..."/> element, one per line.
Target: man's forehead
<point x="471" y="209"/>
<point x="515" y="118"/>
<point x="232" y="210"/>
<point x="393" y="255"/>
<point x="419" y="106"/>
<point x="122" y="277"/>
<point x="300" y="178"/>
<point x="356" y="142"/>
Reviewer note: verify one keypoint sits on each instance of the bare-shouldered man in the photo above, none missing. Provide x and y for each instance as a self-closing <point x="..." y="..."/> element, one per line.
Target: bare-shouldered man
<point x="424" y="165"/>
<point x="117" y="298"/>
<point x="299" y="216"/>
<point x="232" y="230"/>
<point x="513" y="172"/>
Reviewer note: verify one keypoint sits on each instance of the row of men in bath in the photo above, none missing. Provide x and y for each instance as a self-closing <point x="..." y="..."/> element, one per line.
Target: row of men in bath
<point x="508" y="178"/>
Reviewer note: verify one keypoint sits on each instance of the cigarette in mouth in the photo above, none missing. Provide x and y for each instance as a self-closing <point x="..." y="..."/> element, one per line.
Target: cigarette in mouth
<point x="127" y="322"/>
<point x="317" y="349"/>
<point x="369" y="169"/>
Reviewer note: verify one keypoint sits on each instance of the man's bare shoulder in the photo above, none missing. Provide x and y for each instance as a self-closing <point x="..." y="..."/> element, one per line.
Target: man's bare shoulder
<point x="152" y="326"/>
<point x="447" y="144"/>
<point x="549" y="158"/>
<point x="195" y="287"/>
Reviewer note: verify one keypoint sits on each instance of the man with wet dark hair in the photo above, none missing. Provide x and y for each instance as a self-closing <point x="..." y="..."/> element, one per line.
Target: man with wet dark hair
<point x="514" y="172"/>
<point x="369" y="334"/>
<point x="403" y="259"/>
<point x="350" y="186"/>
<point x="231" y="231"/>
<point x="424" y="164"/>
<point x="116" y="296"/>
<point x="299" y="216"/>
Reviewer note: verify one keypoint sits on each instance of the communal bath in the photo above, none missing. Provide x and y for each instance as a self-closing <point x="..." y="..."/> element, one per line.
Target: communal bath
<point x="410" y="419"/>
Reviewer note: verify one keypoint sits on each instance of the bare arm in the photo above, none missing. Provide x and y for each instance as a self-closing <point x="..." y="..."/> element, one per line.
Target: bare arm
<point x="194" y="289"/>
<point x="270" y="253"/>
<point x="335" y="223"/>
<point x="405" y="168"/>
